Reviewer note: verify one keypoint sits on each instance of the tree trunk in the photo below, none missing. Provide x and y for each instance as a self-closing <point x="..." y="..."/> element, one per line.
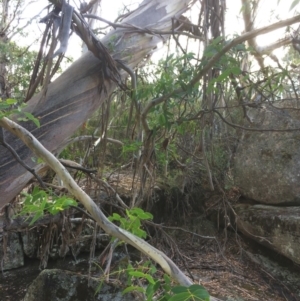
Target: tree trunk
<point x="74" y="96"/>
<point x="4" y="89"/>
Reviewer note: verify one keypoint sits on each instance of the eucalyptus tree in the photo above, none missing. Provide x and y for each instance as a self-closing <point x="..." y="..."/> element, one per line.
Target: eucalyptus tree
<point x="65" y="103"/>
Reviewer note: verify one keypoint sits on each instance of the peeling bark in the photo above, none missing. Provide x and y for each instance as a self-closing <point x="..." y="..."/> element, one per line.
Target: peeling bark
<point x="74" y="96"/>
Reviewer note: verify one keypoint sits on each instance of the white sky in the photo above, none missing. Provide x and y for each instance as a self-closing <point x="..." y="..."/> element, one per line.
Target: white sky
<point x="108" y="11"/>
<point x="269" y="12"/>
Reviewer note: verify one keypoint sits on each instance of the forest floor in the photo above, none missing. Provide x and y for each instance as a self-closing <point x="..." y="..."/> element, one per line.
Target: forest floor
<point x="232" y="274"/>
<point x="229" y="266"/>
<point x="225" y="270"/>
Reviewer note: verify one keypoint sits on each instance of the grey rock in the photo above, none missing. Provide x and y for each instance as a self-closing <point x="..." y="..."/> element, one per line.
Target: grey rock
<point x="275" y="227"/>
<point x="62" y="285"/>
<point x="11" y="252"/>
<point x="30" y="243"/>
<point x="266" y="166"/>
<point x="286" y="274"/>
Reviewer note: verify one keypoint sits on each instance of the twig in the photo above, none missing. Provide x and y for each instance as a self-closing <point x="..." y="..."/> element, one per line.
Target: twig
<point x="253" y="129"/>
<point x="17" y="157"/>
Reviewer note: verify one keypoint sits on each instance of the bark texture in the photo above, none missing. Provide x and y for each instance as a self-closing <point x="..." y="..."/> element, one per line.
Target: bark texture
<point x="277" y="228"/>
<point x="266" y="164"/>
<point x="75" y="95"/>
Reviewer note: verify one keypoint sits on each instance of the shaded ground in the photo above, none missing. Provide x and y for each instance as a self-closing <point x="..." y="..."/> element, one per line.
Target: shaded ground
<point x="14" y="283"/>
<point x="237" y="278"/>
<point x="231" y="274"/>
<point x="236" y="274"/>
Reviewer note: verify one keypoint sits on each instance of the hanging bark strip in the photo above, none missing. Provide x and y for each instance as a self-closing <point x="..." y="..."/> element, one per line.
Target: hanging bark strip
<point x="159" y="257"/>
<point x="74" y="96"/>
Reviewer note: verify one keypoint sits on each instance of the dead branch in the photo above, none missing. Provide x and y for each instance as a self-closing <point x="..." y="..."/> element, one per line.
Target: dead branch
<point x="165" y="262"/>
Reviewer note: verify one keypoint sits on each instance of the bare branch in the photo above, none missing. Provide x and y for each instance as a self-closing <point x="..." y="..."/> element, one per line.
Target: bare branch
<point x="249" y="16"/>
<point x="131" y="28"/>
<point x="215" y="59"/>
<point x="17" y="157"/>
<point x="165" y="262"/>
<point x="253" y="129"/>
<point x="268" y="49"/>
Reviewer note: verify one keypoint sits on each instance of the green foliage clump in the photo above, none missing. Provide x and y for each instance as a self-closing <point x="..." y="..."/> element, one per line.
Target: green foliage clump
<point x="38" y="202"/>
<point x="145" y="278"/>
<point x="132" y="221"/>
<point x="9" y="107"/>
<point x="160" y="288"/>
<point x="20" y="62"/>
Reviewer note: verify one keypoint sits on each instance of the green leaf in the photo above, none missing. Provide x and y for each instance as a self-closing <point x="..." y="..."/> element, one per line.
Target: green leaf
<point x="240" y="47"/>
<point x="133" y="288"/>
<point x="3" y="106"/>
<point x="149" y="292"/>
<point x="36" y="217"/>
<point x="137" y="274"/>
<point x="142" y="275"/>
<point x="69" y="202"/>
<point x="195" y="287"/>
<point x="142" y="214"/>
<point x="161" y="120"/>
<point x="99" y="287"/>
<point x="32" y="118"/>
<point x="199" y="292"/>
<point x="139" y="232"/>
<point x="150" y="279"/>
<point x="193" y="292"/>
<point x="11" y="101"/>
<point x="43" y="204"/>
<point x="39" y="160"/>
<point x="115" y="217"/>
<point x="153" y="269"/>
<point x="179" y="289"/>
<point x="224" y="75"/>
<point x="294" y="3"/>
<point x="180" y="297"/>
<point x="167" y="285"/>
<point x="235" y="70"/>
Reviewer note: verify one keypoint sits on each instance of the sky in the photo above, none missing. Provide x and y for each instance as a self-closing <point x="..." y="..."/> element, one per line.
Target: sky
<point x="269" y="12"/>
<point x="108" y="11"/>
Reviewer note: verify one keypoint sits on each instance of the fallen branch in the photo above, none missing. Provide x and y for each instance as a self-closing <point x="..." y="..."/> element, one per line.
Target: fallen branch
<point x="159" y="257"/>
<point x="40" y="151"/>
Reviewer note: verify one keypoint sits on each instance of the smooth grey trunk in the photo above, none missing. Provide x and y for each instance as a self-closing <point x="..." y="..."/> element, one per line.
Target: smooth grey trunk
<point x="74" y="96"/>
